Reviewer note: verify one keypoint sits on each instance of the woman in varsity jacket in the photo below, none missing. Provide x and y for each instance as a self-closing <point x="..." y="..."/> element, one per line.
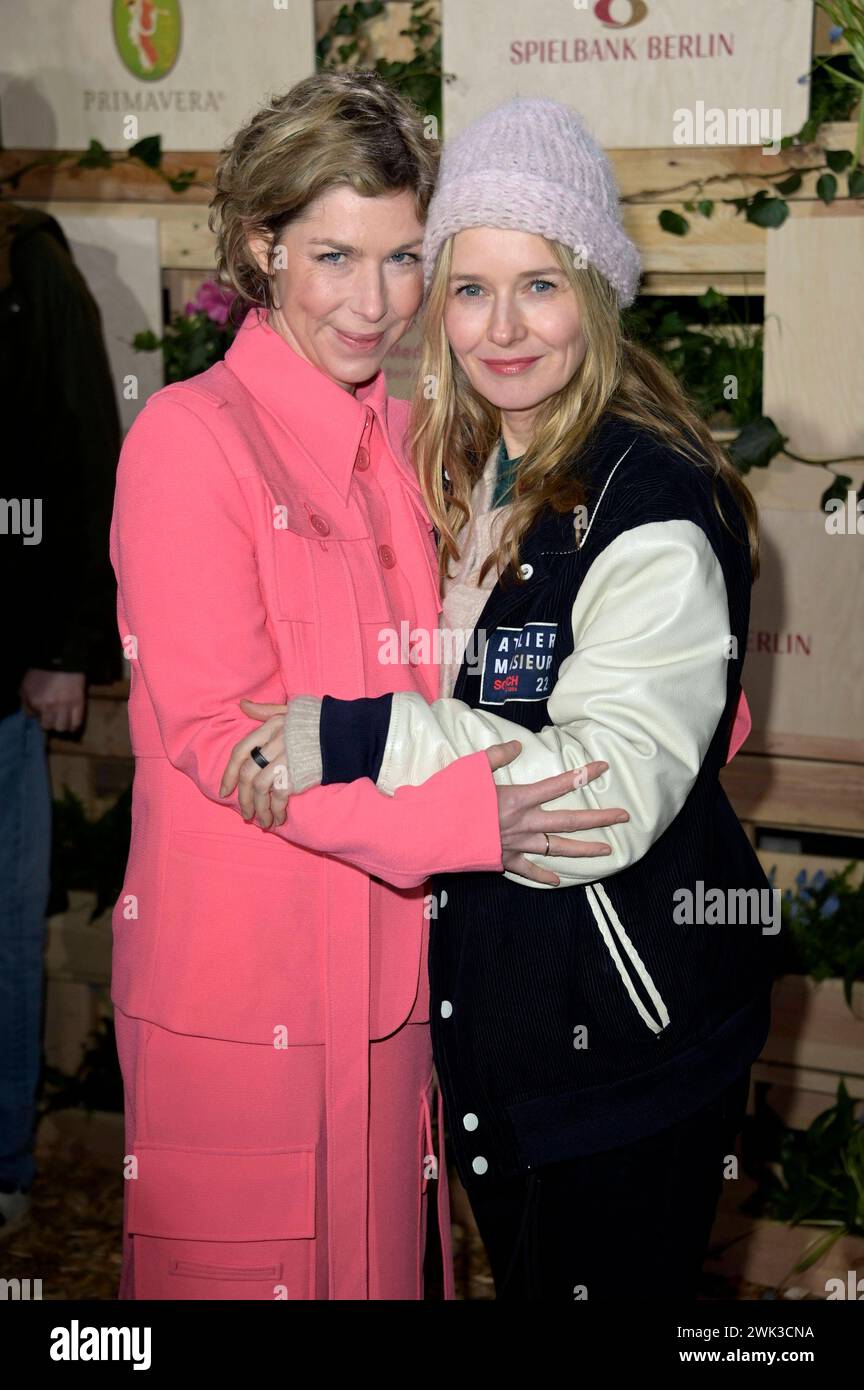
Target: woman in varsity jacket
<point x="594" y="1020"/>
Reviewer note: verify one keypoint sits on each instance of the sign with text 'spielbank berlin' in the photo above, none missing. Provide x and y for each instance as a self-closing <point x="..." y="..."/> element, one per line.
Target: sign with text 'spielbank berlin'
<point x="643" y="73"/>
<point x="118" y="70"/>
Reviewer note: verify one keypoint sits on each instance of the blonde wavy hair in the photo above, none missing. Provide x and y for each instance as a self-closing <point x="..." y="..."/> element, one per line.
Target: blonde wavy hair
<point x="453" y="427"/>
<point x="335" y="128"/>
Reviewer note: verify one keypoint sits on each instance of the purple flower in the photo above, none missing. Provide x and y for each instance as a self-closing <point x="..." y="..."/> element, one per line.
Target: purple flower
<point x="213" y="300"/>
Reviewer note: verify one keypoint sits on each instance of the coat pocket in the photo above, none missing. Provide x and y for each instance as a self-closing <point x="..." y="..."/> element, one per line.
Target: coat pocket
<point x="311" y="571"/>
<point x="238" y="945"/>
<point x="223" y="1223"/>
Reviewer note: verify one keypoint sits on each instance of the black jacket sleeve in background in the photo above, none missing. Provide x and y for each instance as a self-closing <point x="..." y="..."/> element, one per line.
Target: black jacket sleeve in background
<point x="62" y="442"/>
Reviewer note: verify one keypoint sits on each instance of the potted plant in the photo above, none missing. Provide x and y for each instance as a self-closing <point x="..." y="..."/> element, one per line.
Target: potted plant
<point x="806" y="1179"/>
<point x="818" y="1004"/>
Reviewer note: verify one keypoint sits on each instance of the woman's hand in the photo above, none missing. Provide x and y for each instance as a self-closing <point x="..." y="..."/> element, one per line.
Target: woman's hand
<point x="524" y="826"/>
<point x="263" y="791"/>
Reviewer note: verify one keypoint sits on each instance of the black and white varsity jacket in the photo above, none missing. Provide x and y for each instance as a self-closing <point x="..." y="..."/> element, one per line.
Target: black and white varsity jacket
<point x="570" y="1020"/>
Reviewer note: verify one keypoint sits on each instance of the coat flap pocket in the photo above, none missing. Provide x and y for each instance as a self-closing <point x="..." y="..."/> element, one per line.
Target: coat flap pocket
<point x="222" y="1194"/>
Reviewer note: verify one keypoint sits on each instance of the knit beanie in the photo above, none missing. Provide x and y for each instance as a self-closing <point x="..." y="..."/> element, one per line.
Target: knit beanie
<point x="532" y="165"/>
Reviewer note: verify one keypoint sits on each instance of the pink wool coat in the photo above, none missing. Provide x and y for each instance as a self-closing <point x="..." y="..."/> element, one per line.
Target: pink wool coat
<point x="247" y="567"/>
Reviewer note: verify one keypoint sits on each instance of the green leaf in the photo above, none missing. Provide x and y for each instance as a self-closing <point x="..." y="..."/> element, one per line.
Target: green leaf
<point x="713" y="299"/>
<point x="706" y="206"/>
<point x="856" y="183"/>
<point x="820" y="1247"/>
<point x="673" y="222"/>
<point x="838" y="490"/>
<point x="826" y="188"/>
<point x="838" y="160"/>
<point x="767" y="212"/>
<point x="148" y="151"/>
<point x="146" y="341"/>
<point x="182" y="180"/>
<point x="790" y="185"/>
<point x="757" y="444"/>
<point x="95" y="157"/>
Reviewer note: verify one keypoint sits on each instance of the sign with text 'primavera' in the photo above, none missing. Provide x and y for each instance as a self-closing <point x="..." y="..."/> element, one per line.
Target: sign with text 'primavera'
<point x="118" y="70"/>
<point x="643" y="73"/>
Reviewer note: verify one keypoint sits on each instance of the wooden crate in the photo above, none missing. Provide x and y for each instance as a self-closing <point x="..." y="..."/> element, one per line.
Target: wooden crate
<point x="97" y="765"/>
<point x="813" y="1027"/>
<point x="77" y="981"/>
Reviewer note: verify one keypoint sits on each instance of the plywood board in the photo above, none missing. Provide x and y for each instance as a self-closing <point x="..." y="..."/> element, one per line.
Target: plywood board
<point x="627" y="66"/>
<point x="119" y="259"/>
<point x="814" y="333"/>
<point x="190" y="71"/>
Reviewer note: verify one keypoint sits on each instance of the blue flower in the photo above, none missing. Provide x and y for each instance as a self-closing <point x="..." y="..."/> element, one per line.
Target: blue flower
<point x="818" y="880"/>
<point x="801" y="878"/>
<point x="830" y="906"/>
<point x="802" y="80"/>
<point x="835" y="33"/>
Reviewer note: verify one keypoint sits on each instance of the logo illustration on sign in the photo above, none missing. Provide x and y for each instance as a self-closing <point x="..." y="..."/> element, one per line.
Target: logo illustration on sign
<point x="638" y="11"/>
<point x="517" y="663"/>
<point x="147" y="35"/>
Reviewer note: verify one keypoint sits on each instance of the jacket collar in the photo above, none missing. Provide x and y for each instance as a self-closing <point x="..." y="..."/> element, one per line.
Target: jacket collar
<point x="552" y="538"/>
<point x="326" y="419"/>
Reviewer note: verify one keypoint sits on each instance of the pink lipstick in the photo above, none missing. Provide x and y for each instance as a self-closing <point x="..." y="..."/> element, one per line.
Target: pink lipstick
<point x="509" y="366"/>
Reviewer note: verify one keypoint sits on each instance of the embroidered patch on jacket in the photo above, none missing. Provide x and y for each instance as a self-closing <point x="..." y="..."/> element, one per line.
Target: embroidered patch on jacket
<point x="517" y="663"/>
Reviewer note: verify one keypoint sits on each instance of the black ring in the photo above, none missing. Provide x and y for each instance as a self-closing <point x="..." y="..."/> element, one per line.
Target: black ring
<point x="259" y="757"/>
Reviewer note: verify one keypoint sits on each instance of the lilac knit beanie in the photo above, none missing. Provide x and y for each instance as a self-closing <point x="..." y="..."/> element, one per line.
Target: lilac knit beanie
<point x="532" y="165"/>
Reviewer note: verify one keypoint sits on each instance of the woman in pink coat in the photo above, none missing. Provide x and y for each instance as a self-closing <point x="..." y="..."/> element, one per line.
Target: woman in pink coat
<point x="270" y="989"/>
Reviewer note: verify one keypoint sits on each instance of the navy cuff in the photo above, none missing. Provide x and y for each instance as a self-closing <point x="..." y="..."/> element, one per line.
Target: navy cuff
<point x="353" y="737"/>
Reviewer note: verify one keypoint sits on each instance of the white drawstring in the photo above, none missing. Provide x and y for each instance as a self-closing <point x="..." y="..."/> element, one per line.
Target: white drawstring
<point x="592" y="891"/>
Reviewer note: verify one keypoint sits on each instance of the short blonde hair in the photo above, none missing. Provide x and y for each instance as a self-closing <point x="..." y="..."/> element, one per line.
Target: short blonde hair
<point x="335" y="128"/>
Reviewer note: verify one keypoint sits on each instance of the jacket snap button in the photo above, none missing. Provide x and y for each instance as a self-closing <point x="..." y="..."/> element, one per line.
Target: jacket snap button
<point x="319" y="525"/>
<point x="526" y="571"/>
<point x="479" y="1164"/>
<point x="446" y="1008"/>
<point x="386" y="556"/>
<point x="361" y="463"/>
<point x="470" y="1121"/>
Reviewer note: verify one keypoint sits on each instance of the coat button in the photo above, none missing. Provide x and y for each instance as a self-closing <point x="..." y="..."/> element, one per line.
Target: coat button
<point x="386" y="556"/>
<point x="470" y="1121"/>
<point x="479" y="1164"/>
<point x="526" y="571"/>
<point x="446" y="1008"/>
<point x="361" y="463"/>
<point x="319" y="524"/>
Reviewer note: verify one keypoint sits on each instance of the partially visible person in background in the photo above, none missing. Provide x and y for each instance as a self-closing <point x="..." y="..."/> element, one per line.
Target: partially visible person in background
<point x="62" y="438"/>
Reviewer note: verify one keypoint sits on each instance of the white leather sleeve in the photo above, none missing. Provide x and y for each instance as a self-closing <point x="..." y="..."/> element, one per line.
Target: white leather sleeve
<point x="643" y="690"/>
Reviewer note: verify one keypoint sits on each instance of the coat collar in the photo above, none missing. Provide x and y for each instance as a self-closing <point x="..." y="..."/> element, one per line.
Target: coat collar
<point x="326" y="419"/>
